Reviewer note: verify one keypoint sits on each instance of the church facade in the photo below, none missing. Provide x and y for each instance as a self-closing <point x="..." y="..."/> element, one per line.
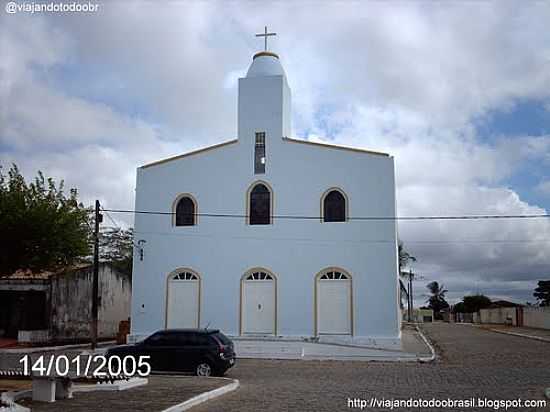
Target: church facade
<point x="260" y="235"/>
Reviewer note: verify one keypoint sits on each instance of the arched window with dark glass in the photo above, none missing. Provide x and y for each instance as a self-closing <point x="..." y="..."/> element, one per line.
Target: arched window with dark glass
<point x="185" y="212"/>
<point x="334" y="207"/>
<point x="260" y="205"/>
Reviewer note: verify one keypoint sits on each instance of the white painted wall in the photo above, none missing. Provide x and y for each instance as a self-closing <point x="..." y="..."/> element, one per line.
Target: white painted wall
<point x="221" y="250"/>
<point x="536" y="317"/>
<point x="498" y="315"/>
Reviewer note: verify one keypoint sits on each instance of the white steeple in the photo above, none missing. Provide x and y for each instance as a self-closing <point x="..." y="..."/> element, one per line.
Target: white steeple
<point x="264" y="99"/>
<point x="265" y="64"/>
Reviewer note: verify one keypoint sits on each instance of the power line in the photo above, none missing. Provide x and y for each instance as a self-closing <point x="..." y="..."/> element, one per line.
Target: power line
<point x="331" y="241"/>
<point x="116" y="225"/>
<point x="358" y="218"/>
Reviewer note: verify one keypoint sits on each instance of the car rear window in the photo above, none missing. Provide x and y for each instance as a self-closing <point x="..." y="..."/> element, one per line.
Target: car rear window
<point x="222" y="338"/>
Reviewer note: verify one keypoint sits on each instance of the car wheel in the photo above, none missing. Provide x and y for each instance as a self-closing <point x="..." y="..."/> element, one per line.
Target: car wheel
<point x="203" y="369"/>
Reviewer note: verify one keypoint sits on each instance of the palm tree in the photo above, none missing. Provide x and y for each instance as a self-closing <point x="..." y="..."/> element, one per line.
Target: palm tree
<point x="437" y="301"/>
<point x="404" y="256"/>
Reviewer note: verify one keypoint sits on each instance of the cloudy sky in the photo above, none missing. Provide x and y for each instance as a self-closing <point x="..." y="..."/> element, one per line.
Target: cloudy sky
<point x="458" y="92"/>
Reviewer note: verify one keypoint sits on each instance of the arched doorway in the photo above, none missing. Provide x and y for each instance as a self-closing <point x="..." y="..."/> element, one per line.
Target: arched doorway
<point x="333" y="300"/>
<point x="259" y="302"/>
<point x="183" y="299"/>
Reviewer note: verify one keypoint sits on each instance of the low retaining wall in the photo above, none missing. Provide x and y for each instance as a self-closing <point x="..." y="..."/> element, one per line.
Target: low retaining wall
<point x="33" y="336"/>
<point x="503" y="316"/>
<point x="536" y="317"/>
<point x="530" y="316"/>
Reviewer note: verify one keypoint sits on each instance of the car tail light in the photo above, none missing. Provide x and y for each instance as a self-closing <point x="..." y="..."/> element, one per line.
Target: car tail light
<point x="221" y="346"/>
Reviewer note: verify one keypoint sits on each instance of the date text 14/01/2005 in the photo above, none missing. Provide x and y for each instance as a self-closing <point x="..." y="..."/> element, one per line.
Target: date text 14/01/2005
<point x="86" y="366"/>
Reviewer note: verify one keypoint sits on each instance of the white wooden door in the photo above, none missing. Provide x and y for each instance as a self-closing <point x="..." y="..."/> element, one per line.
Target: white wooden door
<point x="334" y="305"/>
<point x="183" y="301"/>
<point x="258" y="305"/>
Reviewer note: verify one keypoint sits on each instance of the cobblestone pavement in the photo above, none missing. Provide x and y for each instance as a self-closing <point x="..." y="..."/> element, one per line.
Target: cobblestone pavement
<point x="161" y="393"/>
<point x="474" y="363"/>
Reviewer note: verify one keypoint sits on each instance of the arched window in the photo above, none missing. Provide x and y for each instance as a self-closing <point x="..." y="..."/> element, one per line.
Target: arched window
<point x="334" y="207"/>
<point x="259" y="276"/>
<point x="260" y="205"/>
<point x="335" y="275"/>
<point x="184" y="276"/>
<point x="185" y="211"/>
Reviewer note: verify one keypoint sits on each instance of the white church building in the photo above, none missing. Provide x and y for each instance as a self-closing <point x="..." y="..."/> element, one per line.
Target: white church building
<point x="265" y="235"/>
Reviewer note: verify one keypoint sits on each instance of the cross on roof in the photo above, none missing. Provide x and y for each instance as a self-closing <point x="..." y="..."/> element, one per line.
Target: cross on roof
<point x="265" y="35"/>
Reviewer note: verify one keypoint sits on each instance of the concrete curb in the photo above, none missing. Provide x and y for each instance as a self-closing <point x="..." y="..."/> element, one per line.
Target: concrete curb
<point x="203" y="397"/>
<point x="426" y="359"/>
<point x="521" y="335"/>
<point x="12" y="397"/>
<point x="114" y="386"/>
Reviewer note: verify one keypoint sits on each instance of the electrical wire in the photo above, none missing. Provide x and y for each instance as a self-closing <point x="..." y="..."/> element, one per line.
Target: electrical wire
<point x="358" y="218"/>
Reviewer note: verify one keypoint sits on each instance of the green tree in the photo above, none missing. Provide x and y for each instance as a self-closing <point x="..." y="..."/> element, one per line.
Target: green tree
<point x="42" y="227"/>
<point x="542" y="292"/>
<point x="116" y="246"/>
<point x="474" y="303"/>
<point x="437" y="301"/>
<point x="459" y="308"/>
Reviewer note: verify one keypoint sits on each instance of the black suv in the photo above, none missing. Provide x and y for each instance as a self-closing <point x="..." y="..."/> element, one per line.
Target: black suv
<point x="202" y="351"/>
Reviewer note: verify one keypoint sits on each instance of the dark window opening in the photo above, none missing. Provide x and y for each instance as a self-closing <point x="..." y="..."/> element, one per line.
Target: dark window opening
<point x="185" y="212"/>
<point x="259" y="154"/>
<point x="260" y="205"/>
<point x="334" y="207"/>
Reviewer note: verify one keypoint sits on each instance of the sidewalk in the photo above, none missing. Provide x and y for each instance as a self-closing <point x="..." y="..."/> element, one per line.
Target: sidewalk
<point x="160" y="393"/>
<point x="413" y="349"/>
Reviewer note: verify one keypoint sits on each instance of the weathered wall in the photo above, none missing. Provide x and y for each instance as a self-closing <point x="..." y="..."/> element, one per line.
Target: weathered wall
<point x="418" y="315"/>
<point x="536" y="317"/>
<point x="498" y="315"/>
<point x="115" y="290"/>
<point x="71" y="297"/>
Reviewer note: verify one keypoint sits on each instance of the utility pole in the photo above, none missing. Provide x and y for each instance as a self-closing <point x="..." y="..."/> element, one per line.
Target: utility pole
<point x="408" y="300"/>
<point x="411" y="301"/>
<point x="95" y="284"/>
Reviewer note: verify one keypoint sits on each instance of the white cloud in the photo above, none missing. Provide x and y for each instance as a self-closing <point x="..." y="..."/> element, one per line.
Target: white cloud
<point x="408" y="78"/>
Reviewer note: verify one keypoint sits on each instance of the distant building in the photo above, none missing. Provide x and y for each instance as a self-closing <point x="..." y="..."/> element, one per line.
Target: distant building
<point x="57" y="305"/>
<point x="421" y="315"/>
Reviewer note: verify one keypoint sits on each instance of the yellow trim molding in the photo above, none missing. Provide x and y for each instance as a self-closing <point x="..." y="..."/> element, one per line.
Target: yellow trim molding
<point x="276" y="309"/>
<point x="271" y="199"/>
<point x="175" y="204"/>
<point x="335" y="146"/>
<point x="315" y="297"/>
<point x="194" y="152"/>
<point x="173" y="273"/>
<point x="346" y="199"/>
<point x="265" y="53"/>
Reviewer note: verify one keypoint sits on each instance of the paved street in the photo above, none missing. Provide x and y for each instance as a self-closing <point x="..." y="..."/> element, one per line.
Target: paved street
<point x="474" y="363"/>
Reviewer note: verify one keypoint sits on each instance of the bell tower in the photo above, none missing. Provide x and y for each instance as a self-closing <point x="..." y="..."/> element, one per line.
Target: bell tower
<point x="264" y="101"/>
